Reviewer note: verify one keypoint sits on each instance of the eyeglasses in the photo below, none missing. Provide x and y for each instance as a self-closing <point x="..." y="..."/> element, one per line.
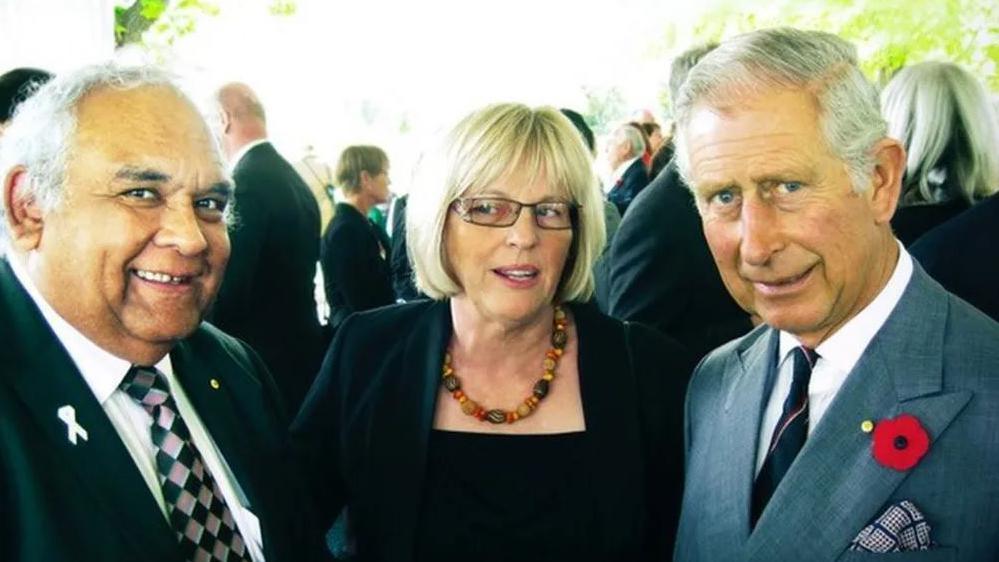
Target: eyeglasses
<point x="498" y="212"/>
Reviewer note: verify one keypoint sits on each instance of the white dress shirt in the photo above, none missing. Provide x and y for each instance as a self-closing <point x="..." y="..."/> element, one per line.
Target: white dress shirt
<point x="837" y="356"/>
<point x="103" y="373"/>
<point x="618" y="173"/>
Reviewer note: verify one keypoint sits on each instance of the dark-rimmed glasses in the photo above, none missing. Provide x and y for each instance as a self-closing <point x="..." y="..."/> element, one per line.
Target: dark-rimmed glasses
<point x="499" y="212"/>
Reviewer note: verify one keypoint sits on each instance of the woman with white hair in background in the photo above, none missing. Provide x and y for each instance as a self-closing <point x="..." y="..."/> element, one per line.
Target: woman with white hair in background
<point x="944" y="117"/>
<point x="505" y="419"/>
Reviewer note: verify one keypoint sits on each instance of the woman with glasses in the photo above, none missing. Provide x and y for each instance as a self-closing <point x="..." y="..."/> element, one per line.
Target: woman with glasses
<point x="505" y="419"/>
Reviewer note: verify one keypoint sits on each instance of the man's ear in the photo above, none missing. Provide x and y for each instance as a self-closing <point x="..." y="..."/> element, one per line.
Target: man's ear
<point x="365" y="178"/>
<point x="225" y="121"/>
<point x="886" y="181"/>
<point x="23" y="213"/>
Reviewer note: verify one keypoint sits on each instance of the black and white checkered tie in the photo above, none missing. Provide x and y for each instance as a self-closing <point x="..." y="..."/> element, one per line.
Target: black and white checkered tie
<point x="196" y="508"/>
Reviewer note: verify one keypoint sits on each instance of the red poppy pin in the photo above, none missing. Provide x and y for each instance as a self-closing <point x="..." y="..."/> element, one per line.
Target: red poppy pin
<point x="900" y="442"/>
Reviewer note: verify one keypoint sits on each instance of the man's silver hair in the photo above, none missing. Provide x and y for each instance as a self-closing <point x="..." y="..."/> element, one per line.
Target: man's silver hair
<point x="791" y="59"/>
<point x="40" y="134"/>
<point x="636" y="142"/>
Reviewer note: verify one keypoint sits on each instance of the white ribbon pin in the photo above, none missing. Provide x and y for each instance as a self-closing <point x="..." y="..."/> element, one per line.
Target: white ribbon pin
<point x="68" y="415"/>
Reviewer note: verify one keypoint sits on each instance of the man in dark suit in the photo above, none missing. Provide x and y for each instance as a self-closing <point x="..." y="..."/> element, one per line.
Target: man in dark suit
<point x="861" y="417"/>
<point x="962" y="254"/>
<point x="130" y="429"/>
<point x="624" y="156"/>
<point x="267" y="298"/>
<point x="659" y="270"/>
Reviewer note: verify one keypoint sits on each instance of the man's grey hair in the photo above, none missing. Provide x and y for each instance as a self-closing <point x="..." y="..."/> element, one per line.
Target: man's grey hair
<point x="942" y="115"/>
<point x="683" y="64"/>
<point x="792" y="59"/>
<point x="40" y="135"/>
<point x="636" y="141"/>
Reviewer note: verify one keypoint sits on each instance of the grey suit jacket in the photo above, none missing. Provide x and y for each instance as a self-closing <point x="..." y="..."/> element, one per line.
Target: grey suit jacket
<point x="936" y="358"/>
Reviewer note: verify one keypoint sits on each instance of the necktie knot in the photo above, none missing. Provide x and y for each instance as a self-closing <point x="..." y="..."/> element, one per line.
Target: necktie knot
<point x="147" y="386"/>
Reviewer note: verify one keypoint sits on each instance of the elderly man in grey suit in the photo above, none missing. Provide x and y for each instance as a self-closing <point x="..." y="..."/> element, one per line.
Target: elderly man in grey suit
<point x="861" y="416"/>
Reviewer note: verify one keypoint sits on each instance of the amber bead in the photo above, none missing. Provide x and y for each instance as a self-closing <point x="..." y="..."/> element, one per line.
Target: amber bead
<point x="549" y="363"/>
<point x="469" y="407"/>
<point x="548" y="376"/>
<point x="559" y="313"/>
<point x="524" y="410"/>
<point x="458" y="395"/>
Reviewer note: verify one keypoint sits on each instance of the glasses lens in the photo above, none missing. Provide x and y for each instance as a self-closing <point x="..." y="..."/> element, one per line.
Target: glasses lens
<point x="553" y="215"/>
<point x="490" y="212"/>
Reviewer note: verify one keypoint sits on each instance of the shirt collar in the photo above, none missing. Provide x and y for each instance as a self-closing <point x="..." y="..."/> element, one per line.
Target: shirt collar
<point x="242" y="152"/>
<point x="844" y="347"/>
<point x="102" y="371"/>
<point x="621" y="169"/>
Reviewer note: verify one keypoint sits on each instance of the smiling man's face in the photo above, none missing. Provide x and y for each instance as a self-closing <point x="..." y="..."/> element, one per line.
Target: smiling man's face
<point x="134" y="253"/>
<point x="792" y="239"/>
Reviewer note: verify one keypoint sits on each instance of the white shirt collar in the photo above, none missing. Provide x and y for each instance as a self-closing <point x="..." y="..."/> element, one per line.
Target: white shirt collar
<point x="242" y="152"/>
<point x="621" y="169"/>
<point x="102" y="370"/>
<point x="845" y="346"/>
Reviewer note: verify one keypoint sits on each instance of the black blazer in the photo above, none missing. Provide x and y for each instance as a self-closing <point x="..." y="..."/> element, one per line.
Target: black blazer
<point x="267" y="297"/>
<point x="912" y="221"/>
<point x="356" y="274"/>
<point x="634" y="180"/>
<point x="659" y="271"/>
<point x="364" y="428"/>
<point x="64" y="502"/>
<point x="402" y="269"/>
<point x="963" y="255"/>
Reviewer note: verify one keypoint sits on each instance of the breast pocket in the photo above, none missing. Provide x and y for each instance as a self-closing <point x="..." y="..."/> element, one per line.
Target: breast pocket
<point x="937" y="554"/>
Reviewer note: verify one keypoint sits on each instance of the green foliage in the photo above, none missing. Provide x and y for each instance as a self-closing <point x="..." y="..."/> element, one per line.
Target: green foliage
<point x="168" y="20"/>
<point x="889" y="34"/>
<point x="282" y="8"/>
<point x="604" y="107"/>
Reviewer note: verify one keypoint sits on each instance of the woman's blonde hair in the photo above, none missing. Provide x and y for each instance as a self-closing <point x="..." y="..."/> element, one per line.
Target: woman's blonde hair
<point x="357" y="159"/>
<point x="492" y="143"/>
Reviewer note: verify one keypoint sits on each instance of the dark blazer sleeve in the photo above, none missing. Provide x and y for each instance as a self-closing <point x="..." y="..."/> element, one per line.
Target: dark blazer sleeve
<point x="315" y="434"/>
<point x="662" y="368"/>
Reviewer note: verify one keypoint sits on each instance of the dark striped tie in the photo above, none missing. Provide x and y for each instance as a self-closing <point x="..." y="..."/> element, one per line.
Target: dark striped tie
<point x="789" y="435"/>
<point x="195" y="506"/>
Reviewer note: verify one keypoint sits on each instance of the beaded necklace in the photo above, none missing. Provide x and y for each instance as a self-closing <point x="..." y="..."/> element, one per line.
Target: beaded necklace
<point x="472" y="408"/>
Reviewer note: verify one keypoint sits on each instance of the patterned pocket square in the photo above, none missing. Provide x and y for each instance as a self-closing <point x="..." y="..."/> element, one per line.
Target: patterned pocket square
<point x="900" y="528"/>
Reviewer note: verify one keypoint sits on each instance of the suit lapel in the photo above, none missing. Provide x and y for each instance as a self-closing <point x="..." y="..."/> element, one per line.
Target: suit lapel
<point x="46" y="379"/>
<point x="215" y="407"/>
<point x="408" y="408"/>
<point x="740" y="423"/>
<point x="835" y="487"/>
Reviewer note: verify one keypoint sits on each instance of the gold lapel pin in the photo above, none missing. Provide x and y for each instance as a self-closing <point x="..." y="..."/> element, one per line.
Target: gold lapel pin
<point x="214" y="383"/>
<point x="867" y="426"/>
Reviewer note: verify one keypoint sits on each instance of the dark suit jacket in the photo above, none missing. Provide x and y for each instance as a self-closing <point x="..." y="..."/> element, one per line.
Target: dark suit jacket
<point x="634" y="180"/>
<point x="357" y="277"/>
<point x="660" y="272"/>
<point x="402" y="269"/>
<point x="963" y="255"/>
<point x="64" y="502"/>
<point x="935" y="358"/>
<point x="364" y="428"/>
<point x="912" y="221"/>
<point x="267" y="297"/>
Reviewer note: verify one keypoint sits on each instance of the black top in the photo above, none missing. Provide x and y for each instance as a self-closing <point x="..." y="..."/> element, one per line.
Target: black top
<point x="355" y="268"/>
<point x="364" y="433"/>
<point x="912" y="221"/>
<point x="510" y="497"/>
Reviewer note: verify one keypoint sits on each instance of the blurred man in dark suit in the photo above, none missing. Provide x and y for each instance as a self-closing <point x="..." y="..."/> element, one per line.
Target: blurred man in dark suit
<point x="131" y="430"/>
<point x="624" y="155"/>
<point x="267" y="297"/>
<point x="659" y="270"/>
